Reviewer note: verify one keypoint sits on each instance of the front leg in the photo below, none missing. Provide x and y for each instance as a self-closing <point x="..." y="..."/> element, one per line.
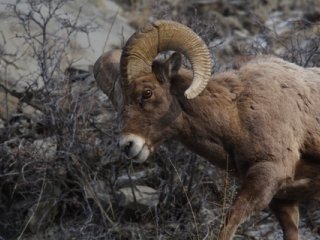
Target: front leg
<point x="259" y="186"/>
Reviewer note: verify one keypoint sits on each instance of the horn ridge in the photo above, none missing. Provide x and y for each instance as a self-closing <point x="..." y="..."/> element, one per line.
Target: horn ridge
<point x="163" y="35"/>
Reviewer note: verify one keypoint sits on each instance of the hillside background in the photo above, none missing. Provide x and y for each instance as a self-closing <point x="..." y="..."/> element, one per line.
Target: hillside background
<point x="61" y="173"/>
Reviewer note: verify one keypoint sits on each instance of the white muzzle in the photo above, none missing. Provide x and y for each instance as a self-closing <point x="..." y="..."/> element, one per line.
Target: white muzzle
<point x="135" y="147"/>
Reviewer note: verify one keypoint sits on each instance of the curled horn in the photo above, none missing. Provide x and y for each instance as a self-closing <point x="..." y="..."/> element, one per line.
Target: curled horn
<point x="163" y="35"/>
<point x="106" y="71"/>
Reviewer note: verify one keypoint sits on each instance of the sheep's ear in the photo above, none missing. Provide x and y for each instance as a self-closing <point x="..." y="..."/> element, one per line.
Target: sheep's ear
<point x="165" y="70"/>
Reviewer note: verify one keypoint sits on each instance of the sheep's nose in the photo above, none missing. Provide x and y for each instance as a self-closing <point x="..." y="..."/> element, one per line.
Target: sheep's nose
<point x="126" y="148"/>
<point x="131" y="144"/>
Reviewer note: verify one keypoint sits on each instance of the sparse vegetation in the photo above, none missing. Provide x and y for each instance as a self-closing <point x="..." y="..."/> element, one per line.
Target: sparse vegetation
<point x="60" y="169"/>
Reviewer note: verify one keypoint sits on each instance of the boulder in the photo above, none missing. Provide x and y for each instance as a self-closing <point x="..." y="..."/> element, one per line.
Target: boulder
<point x="46" y="147"/>
<point x="12" y="106"/>
<point x="107" y="29"/>
<point x="137" y="177"/>
<point x="138" y="197"/>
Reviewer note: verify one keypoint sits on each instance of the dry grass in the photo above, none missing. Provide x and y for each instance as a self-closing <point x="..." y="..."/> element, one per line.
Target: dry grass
<point x="69" y="190"/>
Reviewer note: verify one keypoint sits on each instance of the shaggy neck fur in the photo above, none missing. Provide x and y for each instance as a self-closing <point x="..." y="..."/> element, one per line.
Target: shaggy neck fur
<point x="205" y="116"/>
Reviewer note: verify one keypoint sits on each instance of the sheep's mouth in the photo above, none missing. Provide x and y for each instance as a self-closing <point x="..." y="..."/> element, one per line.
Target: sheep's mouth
<point x="135" y="147"/>
<point x="143" y="154"/>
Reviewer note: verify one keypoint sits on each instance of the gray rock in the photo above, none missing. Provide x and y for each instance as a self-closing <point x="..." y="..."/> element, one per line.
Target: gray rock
<point x="138" y="197"/>
<point x="136" y="177"/>
<point x="8" y="106"/>
<point x="11" y="105"/>
<point x="111" y="31"/>
<point x="46" y="147"/>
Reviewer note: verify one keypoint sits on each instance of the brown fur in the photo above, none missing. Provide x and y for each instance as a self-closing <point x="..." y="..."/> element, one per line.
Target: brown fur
<point x="261" y="120"/>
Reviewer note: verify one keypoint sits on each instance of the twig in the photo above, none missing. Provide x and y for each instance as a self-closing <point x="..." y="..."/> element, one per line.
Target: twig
<point x="185" y="192"/>
<point x="109" y="31"/>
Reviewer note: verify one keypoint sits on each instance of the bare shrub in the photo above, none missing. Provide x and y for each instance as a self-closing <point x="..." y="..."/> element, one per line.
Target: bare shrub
<point x="60" y="175"/>
<point x="40" y="185"/>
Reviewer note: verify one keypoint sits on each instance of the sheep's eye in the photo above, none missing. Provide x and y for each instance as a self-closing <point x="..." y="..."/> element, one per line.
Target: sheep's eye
<point x="146" y="94"/>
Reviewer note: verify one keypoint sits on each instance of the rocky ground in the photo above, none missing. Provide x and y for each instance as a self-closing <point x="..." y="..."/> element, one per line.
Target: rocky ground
<point x="61" y="174"/>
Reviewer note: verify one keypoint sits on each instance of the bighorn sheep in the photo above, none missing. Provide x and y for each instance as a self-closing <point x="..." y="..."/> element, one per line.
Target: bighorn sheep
<point x="261" y="120"/>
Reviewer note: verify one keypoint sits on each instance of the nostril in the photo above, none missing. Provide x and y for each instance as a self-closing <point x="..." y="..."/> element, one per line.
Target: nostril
<point x="127" y="147"/>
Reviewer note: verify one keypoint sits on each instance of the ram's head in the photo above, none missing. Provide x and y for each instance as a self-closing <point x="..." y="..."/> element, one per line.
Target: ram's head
<point x="147" y="92"/>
